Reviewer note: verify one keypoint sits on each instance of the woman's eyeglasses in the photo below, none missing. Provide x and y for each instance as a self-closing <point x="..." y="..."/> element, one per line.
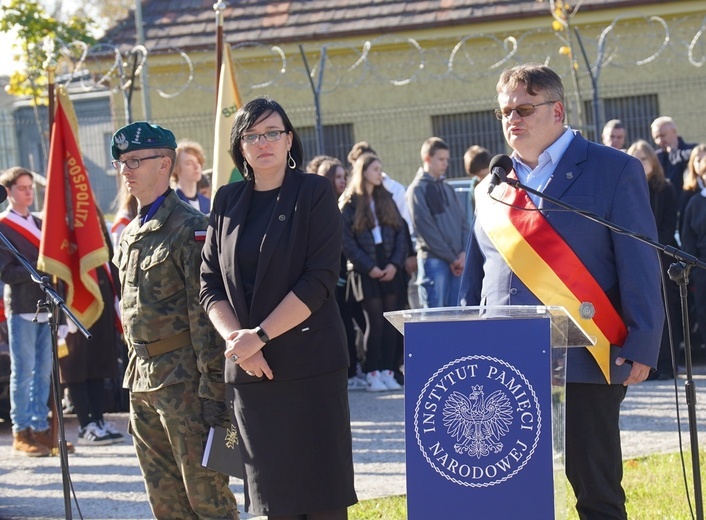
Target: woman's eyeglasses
<point x="271" y="136"/>
<point x="522" y="110"/>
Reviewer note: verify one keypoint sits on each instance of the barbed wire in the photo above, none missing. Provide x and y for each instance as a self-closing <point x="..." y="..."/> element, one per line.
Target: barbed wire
<point x="398" y="61"/>
<point x="692" y="45"/>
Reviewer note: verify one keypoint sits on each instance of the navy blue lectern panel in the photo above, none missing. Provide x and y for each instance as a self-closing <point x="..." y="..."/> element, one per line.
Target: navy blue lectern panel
<point x="478" y="419"/>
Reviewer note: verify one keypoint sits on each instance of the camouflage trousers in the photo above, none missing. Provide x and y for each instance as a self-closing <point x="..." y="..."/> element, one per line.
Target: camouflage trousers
<point x="169" y="435"/>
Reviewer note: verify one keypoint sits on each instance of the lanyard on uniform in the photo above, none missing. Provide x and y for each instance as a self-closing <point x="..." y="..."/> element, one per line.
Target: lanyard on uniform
<point x="153" y="209"/>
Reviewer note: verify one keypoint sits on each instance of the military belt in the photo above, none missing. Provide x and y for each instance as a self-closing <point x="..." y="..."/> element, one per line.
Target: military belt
<point x="162" y="346"/>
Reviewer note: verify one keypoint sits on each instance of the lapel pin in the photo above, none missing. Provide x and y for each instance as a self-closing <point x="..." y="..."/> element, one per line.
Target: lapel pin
<point x="281" y="218"/>
<point x="569" y="175"/>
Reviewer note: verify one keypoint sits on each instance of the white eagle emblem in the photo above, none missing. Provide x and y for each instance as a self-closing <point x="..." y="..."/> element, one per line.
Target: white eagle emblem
<point x="121" y="142"/>
<point x="478" y="423"/>
<point x="232" y="437"/>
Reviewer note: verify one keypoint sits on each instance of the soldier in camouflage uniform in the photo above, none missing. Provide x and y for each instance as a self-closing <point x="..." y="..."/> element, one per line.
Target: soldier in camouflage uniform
<point x="175" y="368"/>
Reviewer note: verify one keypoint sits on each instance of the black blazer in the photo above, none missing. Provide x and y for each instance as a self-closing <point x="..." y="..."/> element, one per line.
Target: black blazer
<point x="301" y="252"/>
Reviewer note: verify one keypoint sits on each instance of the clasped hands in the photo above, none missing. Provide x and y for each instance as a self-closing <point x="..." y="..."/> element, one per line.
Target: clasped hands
<point x="244" y="348"/>
<point x="384" y="275"/>
<point x="458" y="265"/>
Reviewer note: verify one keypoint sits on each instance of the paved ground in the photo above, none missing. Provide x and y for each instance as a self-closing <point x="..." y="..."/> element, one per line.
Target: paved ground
<point x="108" y="485"/>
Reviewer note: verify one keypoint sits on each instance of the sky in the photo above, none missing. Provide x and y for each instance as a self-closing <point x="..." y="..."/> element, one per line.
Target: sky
<point x="7" y="64"/>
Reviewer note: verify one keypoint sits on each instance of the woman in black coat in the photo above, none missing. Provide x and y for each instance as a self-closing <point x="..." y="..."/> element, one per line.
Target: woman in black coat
<point x="270" y="266"/>
<point x="663" y="201"/>
<point x="375" y="243"/>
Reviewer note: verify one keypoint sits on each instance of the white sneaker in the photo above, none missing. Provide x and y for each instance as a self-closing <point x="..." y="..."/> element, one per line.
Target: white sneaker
<point x="115" y="436"/>
<point x="388" y="379"/>
<point x="93" y="435"/>
<point x="375" y="383"/>
<point x="355" y="383"/>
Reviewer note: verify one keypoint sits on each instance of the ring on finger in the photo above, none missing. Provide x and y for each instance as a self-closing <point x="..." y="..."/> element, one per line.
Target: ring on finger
<point x="249" y="373"/>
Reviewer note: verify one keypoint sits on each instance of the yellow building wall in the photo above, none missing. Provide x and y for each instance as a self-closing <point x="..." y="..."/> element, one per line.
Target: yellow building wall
<point x="391" y="95"/>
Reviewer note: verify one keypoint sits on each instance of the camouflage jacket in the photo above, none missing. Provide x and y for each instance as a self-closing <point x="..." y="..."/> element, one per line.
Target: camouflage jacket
<point x="159" y="266"/>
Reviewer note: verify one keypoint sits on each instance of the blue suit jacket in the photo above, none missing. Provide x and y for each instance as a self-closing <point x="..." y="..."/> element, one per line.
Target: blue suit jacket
<point x="612" y="185"/>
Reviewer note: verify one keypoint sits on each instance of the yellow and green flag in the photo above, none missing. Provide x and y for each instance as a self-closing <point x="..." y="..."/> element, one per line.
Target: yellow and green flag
<point x="229" y="101"/>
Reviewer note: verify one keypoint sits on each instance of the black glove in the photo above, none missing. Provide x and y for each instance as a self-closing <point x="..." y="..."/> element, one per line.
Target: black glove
<point x="215" y="413"/>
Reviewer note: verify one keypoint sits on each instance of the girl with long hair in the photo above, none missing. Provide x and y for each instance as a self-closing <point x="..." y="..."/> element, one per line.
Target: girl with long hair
<point x="375" y="244"/>
<point x="335" y="172"/>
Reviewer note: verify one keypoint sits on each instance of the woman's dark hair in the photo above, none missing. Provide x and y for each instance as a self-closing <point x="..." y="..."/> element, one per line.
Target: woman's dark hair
<point x="248" y="115"/>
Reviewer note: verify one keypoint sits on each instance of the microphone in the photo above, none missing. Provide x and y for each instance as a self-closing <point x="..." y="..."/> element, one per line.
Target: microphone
<point x="3" y="193"/>
<point x="499" y="166"/>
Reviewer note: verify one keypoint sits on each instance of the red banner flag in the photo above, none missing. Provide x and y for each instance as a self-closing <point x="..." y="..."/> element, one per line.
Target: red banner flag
<point x="72" y="244"/>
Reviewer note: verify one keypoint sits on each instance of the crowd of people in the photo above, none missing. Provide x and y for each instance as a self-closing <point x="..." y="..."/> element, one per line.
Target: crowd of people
<point x="264" y="307"/>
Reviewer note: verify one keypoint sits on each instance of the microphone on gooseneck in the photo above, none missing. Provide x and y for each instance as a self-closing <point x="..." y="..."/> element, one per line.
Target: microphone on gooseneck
<point x="499" y="166"/>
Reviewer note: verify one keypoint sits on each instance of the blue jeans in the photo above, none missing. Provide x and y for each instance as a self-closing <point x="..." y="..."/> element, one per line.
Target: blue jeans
<point x="437" y="285"/>
<point x="30" y="353"/>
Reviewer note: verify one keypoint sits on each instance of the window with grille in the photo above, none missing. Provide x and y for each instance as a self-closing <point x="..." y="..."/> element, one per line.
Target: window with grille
<point x="636" y="113"/>
<point x="463" y="130"/>
<point x="338" y="141"/>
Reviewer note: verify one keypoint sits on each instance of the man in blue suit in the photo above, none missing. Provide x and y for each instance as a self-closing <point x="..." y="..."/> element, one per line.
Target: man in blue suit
<point x="613" y="279"/>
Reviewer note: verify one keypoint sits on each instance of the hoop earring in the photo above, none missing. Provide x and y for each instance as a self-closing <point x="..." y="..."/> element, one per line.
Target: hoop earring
<point x="246" y="174"/>
<point x="291" y="162"/>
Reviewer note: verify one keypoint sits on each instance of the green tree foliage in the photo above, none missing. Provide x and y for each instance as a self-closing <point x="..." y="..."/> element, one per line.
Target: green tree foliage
<point x="34" y="26"/>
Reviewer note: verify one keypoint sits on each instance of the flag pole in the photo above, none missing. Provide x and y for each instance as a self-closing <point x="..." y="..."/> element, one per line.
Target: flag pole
<point x="218" y="7"/>
<point x="54" y="400"/>
<point x="50" y="66"/>
<point x="56" y="425"/>
<point x="51" y="69"/>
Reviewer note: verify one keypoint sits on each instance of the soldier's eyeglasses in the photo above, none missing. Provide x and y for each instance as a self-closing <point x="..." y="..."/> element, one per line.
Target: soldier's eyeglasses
<point x="132" y="164"/>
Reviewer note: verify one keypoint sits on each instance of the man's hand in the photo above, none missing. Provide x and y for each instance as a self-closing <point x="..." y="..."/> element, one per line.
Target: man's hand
<point x="215" y="413"/>
<point x="638" y="373"/>
<point x="63" y="331"/>
<point x="410" y="265"/>
<point x="458" y="265"/>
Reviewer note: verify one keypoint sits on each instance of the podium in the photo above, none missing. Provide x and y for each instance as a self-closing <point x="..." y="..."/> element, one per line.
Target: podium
<point x="484" y="410"/>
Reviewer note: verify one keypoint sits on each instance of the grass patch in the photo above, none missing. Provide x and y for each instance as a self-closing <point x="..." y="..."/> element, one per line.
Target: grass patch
<point x="654" y="486"/>
<point x="387" y="508"/>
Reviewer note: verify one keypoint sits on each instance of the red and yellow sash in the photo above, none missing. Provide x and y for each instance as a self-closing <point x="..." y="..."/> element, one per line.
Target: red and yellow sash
<point x="544" y="262"/>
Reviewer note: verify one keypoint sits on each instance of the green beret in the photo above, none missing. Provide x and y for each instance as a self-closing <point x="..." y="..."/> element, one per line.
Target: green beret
<point x="140" y="136"/>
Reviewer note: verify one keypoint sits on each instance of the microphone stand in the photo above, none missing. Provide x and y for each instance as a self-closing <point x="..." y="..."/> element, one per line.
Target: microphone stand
<point x="679" y="273"/>
<point x="51" y="304"/>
